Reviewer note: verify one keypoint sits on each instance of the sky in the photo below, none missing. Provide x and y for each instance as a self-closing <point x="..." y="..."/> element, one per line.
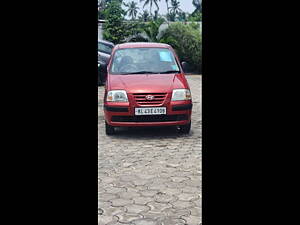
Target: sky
<point x="185" y="5"/>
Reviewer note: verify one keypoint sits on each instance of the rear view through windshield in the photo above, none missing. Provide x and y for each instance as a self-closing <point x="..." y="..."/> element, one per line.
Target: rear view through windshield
<point x="104" y="48"/>
<point x="144" y="60"/>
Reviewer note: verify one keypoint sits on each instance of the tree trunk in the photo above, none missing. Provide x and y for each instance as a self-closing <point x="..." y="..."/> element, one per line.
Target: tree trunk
<point x="167" y="7"/>
<point x="168" y="12"/>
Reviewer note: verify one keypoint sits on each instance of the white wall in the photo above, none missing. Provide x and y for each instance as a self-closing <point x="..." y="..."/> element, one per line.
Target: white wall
<point x="100" y="31"/>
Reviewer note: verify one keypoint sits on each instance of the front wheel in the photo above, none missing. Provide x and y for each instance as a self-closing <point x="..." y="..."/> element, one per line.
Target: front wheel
<point x="100" y="80"/>
<point x="185" y="129"/>
<point x="109" y="130"/>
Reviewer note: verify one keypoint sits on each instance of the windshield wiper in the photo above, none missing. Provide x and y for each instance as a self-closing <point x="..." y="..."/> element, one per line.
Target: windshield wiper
<point x="151" y="72"/>
<point x="140" y="72"/>
<point x="170" y="71"/>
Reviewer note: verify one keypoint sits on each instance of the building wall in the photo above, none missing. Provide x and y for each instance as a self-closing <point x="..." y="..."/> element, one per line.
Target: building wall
<point x="100" y="31"/>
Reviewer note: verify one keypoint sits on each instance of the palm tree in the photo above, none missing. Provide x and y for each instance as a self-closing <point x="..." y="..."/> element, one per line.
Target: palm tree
<point x="101" y="7"/>
<point x="132" y="9"/>
<point x="167" y="2"/>
<point x="152" y="29"/>
<point x="175" y="7"/>
<point x="181" y="16"/>
<point x="144" y="16"/>
<point x="198" y="5"/>
<point x="150" y="2"/>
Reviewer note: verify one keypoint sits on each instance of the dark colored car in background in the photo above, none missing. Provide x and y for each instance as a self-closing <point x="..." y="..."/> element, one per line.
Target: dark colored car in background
<point x="104" y="50"/>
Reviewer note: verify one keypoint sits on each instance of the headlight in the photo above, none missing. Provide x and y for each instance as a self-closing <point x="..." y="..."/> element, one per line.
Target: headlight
<point x="181" y="94"/>
<point x="117" y="96"/>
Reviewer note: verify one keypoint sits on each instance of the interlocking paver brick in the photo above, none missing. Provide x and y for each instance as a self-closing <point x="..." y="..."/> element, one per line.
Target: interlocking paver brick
<point x="128" y="217"/>
<point x="137" y="208"/>
<point x="142" y="200"/>
<point x="157" y="207"/>
<point x="151" y="176"/>
<point x="121" y="202"/>
<point x="145" y="222"/>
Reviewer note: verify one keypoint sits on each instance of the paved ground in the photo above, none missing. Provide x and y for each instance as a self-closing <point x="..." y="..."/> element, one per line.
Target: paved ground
<point x="151" y="176"/>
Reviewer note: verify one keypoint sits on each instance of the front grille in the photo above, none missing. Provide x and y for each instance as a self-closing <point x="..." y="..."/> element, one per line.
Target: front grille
<point x="150" y="118"/>
<point x="158" y="99"/>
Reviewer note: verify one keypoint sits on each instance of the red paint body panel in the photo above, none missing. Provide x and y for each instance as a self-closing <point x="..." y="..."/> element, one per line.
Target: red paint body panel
<point x="146" y="83"/>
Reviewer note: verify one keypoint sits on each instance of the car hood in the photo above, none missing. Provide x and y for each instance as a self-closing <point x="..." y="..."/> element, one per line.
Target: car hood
<point x="147" y="83"/>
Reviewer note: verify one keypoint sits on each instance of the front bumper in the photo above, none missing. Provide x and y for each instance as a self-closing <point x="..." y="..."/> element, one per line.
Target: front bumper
<point x="122" y="114"/>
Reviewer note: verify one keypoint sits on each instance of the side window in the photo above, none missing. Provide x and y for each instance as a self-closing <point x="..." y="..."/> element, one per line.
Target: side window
<point x="116" y="60"/>
<point x="105" y="48"/>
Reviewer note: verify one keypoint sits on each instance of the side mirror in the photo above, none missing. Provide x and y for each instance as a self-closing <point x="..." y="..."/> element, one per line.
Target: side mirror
<point x="185" y="66"/>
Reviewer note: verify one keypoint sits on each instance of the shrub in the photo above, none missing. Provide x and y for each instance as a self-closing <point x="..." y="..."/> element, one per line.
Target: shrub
<point x="114" y="28"/>
<point x="187" y="42"/>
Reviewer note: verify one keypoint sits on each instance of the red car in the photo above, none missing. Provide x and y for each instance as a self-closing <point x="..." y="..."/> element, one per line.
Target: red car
<point x="146" y="86"/>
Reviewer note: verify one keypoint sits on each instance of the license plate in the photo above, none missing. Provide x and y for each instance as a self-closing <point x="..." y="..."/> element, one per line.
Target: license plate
<point x="151" y="111"/>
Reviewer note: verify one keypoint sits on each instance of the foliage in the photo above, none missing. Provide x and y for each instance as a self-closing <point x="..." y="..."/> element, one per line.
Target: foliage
<point x="175" y="7"/>
<point x="150" y="2"/>
<point x="186" y="40"/>
<point x="144" y="16"/>
<point x="101" y="7"/>
<point x="198" y="5"/>
<point x="134" y="30"/>
<point x="175" y="12"/>
<point x="114" y="29"/>
<point x="152" y="29"/>
<point x="181" y="17"/>
<point x="171" y="17"/>
<point x="132" y="9"/>
<point x="195" y="17"/>
<point x="197" y="14"/>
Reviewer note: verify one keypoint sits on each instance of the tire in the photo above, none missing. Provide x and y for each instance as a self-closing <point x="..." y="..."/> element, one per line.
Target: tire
<point x="100" y="81"/>
<point x="109" y="130"/>
<point x="185" y="129"/>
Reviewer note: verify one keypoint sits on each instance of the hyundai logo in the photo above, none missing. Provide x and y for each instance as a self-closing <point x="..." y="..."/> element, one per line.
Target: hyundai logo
<point x="149" y="97"/>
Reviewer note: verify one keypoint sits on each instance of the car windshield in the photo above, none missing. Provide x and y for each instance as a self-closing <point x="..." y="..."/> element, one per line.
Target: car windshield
<point x="144" y="61"/>
<point x="104" y="48"/>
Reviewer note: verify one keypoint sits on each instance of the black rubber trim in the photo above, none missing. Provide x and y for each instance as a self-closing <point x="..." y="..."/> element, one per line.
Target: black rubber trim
<point x="150" y="118"/>
<point x="116" y="109"/>
<point x="182" y="107"/>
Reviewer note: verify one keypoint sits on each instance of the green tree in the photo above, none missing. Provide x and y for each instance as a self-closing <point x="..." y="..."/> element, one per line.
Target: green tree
<point x="132" y="9"/>
<point x="144" y="16"/>
<point x="150" y="2"/>
<point x="198" y="5"/>
<point x="101" y="8"/>
<point x="196" y="17"/>
<point x="152" y="29"/>
<point x="175" y="7"/>
<point x="167" y="2"/>
<point x="155" y="17"/>
<point x="182" y="16"/>
<point x="187" y="41"/>
<point x="114" y="28"/>
<point x="197" y="14"/>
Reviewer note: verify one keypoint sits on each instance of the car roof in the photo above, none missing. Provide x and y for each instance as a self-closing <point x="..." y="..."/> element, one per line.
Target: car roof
<point x="143" y="45"/>
<point x="106" y="42"/>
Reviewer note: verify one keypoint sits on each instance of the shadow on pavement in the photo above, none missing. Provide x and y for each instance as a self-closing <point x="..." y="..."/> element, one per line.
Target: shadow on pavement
<point x="146" y="132"/>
